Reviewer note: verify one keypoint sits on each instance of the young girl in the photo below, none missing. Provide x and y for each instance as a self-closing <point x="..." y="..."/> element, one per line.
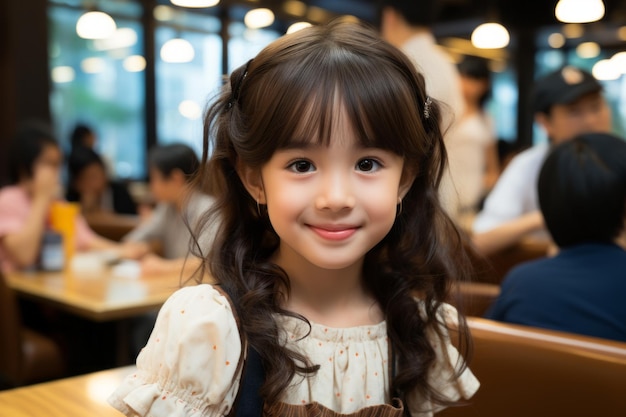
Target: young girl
<point x="88" y="184"/>
<point x="333" y="250"/>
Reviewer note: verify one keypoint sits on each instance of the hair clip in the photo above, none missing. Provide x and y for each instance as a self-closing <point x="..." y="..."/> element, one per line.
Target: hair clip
<point x="427" y="104"/>
<point x="236" y="87"/>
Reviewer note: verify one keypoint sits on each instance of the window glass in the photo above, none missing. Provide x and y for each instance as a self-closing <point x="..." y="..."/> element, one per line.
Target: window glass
<point x="503" y="104"/>
<point x="101" y="84"/>
<point x="247" y="43"/>
<point x="183" y="89"/>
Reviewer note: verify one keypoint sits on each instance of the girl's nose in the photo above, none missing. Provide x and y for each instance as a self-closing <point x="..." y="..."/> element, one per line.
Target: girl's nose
<point x="336" y="193"/>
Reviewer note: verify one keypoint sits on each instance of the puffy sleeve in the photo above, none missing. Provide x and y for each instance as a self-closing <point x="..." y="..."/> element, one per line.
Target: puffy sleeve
<point x="443" y="374"/>
<point x="189" y="367"/>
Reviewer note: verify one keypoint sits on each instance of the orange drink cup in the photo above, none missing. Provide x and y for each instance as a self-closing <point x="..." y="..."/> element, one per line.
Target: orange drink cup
<point x="63" y="220"/>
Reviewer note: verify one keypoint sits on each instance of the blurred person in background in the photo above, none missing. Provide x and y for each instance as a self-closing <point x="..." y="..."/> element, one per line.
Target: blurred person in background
<point x="34" y="183"/>
<point x="82" y="136"/>
<point x="566" y="102"/>
<point x="472" y="145"/>
<point x="406" y="24"/>
<point x="89" y="185"/>
<point x="162" y="242"/>
<point x="582" y="195"/>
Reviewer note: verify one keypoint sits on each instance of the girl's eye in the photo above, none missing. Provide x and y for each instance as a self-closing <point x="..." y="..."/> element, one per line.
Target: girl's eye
<point x="367" y="165"/>
<point x="301" y="166"/>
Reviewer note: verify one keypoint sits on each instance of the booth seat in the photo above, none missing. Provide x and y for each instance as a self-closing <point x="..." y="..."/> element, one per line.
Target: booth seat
<point x="526" y="371"/>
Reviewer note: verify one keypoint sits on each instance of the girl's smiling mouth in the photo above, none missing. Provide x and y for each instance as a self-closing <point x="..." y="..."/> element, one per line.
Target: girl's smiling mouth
<point x="334" y="232"/>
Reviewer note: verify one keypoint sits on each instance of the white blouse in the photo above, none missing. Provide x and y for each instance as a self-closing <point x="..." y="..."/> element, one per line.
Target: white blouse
<point x="189" y="365"/>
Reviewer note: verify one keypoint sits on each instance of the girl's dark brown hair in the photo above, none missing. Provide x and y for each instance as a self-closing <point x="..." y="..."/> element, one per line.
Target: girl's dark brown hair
<point x="261" y="110"/>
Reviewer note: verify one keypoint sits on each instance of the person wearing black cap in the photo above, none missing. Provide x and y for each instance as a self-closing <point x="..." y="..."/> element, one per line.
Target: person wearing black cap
<point x="566" y="102"/>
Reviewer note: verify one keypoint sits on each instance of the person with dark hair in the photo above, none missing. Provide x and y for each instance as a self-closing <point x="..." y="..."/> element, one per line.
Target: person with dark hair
<point x="566" y="102"/>
<point x="162" y="243"/>
<point x="582" y="196"/>
<point x="34" y="175"/>
<point x="89" y="185"/>
<point x="333" y="256"/>
<point x="472" y="146"/>
<point x="82" y="136"/>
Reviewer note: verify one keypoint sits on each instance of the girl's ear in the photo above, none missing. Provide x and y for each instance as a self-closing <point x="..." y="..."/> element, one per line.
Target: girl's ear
<point x="406" y="181"/>
<point x="252" y="180"/>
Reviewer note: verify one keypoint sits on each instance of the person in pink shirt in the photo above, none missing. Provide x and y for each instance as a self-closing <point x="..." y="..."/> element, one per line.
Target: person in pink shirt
<point x="34" y="182"/>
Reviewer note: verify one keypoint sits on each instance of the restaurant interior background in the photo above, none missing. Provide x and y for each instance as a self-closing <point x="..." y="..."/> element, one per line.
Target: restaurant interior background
<point x="135" y="95"/>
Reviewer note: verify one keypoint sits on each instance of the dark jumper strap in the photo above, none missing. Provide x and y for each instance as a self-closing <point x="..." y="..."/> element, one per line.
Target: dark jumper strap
<point x="249" y="402"/>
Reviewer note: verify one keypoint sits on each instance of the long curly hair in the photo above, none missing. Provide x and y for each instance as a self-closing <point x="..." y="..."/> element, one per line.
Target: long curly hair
<point x="261" y="110"/>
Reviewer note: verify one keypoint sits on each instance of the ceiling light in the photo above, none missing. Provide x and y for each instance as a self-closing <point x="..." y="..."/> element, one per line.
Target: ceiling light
<point x="605" y="70"/>
<point x="95" y="25"/>
<point x="163" y="13"/>
<point x="588" y="50"/>
<point x="195" y="3"/>
<point x="556" y="40"/>
<point x="134" y="63"/>
<point x="259" y="18"/>
<point x="619" y="61"/>
<point x="297" y="26"/>
<point x="579" y="11"/>
<point x="189" y="109"/>
<point x="490" y="36"/>
<point x="92" y="65"/>
<point x="177" y="51"/>
<point x="121" y="38"/>
<point x="63" y="74"/>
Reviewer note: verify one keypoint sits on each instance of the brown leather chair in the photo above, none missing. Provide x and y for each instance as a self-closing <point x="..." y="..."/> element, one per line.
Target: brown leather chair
<point x="26" y="356"/>
<point x="473" y="298"/>
<point x="526" y="371"/>
<point x="494" y="267"/>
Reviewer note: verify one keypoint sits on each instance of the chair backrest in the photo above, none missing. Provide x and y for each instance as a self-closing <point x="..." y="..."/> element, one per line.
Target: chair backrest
<point x="473" y="298"/>
<point x="10" y="332"/>
<point x="526" y="371"/>
<point x="494" y="267"/>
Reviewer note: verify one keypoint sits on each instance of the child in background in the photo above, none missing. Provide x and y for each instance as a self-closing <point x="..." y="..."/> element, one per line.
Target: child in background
<point x="180" y="205"/>
<point x="326" y="155"/>
<point x="89" y="185"/>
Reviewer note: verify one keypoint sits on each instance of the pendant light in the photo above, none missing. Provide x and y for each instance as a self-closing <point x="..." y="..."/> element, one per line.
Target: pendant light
<point x="197" y="4"/>
<point x="258" y="18"/>
<point x="177" y="50"/>
<point x="490" y="36"/>
<point x="579" y="11"/>
<point x="95" y="25"/>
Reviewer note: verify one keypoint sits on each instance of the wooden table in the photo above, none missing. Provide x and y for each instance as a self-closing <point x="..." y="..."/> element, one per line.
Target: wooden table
<point x="81" y="396"/>
<point x="97" y="296"/>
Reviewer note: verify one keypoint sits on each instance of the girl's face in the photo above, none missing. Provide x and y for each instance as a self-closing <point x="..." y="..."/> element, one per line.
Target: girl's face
<point x="330" y="204"/>
<point x="92" y="179"/>
<point x="50" y="158"/>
